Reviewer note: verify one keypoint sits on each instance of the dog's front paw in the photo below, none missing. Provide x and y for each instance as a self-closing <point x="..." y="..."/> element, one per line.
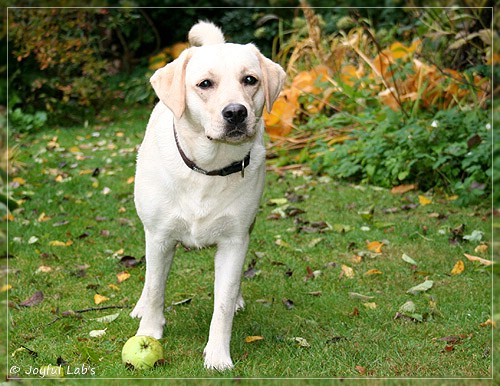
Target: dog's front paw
<point x="154" y="330"/>
<point x="217" y="359"/>
<point x="151" y="324"/>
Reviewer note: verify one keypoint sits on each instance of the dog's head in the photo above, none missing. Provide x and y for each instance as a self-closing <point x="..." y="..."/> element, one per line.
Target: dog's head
<point x="219" y="88"/>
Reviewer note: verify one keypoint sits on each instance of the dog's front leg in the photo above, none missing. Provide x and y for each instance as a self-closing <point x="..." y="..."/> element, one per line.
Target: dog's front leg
<point x="228" y="267"/>
<point x="159" y="256"/>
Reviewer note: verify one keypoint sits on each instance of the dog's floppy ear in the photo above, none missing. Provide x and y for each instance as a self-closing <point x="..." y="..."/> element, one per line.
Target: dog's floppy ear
<point x="273" y="79"/>
<point x="169" y="84"/>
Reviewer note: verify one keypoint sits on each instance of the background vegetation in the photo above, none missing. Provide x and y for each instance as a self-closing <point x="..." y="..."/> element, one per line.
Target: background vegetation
<point x="369" y="99"/>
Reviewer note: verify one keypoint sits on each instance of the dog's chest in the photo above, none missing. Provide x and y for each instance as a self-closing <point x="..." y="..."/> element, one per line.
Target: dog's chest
<point x="204" y="216"/>
<point x="201" y="233"/>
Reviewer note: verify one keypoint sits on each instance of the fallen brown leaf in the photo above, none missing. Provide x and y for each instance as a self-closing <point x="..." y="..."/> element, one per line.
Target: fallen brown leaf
<point x="122" y="276"/>
<point x="130" y="261"/>
<point x="35" y="299"/>
<point x="400" y="189"/>
<point x="372" y="272"/>
<point x="347" y="271"/>
<point x="375" y="246"/>
<point x="360" y="370"/>
<point x="458" y="268"/>
<point x="478" y="259"/>
<point x="98" y="299"/>
<point x="489" y="322"/>
<point x="255" y="338"/>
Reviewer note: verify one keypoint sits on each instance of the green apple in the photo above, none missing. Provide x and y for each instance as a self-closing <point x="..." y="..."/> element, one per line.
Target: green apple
<point x="142" y="352"/>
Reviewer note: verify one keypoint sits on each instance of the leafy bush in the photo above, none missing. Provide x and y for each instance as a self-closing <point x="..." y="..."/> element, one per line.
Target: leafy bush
<point x="385" y="115"/>
<point x="62" y="59"/>
<point x="24" y="122"/>
<point x="448" y="151"/>
<point x="57" y="67"/>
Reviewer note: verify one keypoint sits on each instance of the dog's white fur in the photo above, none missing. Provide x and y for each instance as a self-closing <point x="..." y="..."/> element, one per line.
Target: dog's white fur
<point x="177" y="204"/>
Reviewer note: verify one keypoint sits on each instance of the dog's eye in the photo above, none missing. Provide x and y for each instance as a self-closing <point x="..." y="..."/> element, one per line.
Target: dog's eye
<point x="204" y="84"/>
<point x="250" y="80"/>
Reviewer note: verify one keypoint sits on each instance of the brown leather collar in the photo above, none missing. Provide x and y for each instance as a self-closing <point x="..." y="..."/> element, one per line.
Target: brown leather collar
<point x="235" y="167"/>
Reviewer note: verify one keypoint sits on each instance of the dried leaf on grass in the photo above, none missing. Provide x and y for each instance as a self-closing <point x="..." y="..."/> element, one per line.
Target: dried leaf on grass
<point x="43" y="269"/>
<point x="301" y="342"/>
<point x="482" y="248"/>
<point x="98" y="299"/>
<point x="361" y="370"/>
<point x="107" y="318"/>
<point x="424" y="200"/>
<point x="408" y="259"/>
<point x="255" y="338"/>
<point x="347" y="271"/>
<point x="489" y="322"/>
<point x="401" y="189"/>
<point x="422" y="287"/>
<point x="458" y="268"/>
<point x="34" y="300"/>
<point x="375" y="246"/>
<point x="122" y="276"/>
<point x="408" y="307"/>
<point x="372" y="272"/>
<point x="478" y="259"/>
<point x="130" y="261"/>
<point x="97" y="333"/>
<point x="57" y="243"/>
<point x="251" y="271"/>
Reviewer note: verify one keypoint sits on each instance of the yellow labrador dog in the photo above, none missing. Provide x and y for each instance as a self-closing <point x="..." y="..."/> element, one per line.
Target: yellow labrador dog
<point x="200" y="172"/>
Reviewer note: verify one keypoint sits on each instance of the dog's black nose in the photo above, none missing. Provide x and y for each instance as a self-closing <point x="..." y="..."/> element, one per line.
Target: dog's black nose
<point x="235" y="113"/>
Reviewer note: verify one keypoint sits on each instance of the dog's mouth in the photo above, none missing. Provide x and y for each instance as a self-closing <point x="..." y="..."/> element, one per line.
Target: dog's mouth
<point x="236" y="133"/>
<point x="233" y="134"/>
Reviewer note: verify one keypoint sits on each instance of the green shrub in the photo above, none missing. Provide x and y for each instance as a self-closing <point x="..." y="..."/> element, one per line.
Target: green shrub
<point x="449" y="151"/>
<point x="133" y="88"/>
<point x="62" y="59"/>
<point x="24" y="122"/>
<point x="57" y="67"/>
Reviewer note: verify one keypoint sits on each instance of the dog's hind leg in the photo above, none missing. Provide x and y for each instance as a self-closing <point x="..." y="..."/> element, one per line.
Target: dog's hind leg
<point x="240" y="302"/>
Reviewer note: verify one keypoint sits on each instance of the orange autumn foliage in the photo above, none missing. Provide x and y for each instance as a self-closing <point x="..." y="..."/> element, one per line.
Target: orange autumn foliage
<point x="394" y="76"/>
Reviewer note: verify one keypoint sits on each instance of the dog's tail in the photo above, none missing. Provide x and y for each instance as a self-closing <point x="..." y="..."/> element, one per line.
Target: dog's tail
<point x="204" y="33"/>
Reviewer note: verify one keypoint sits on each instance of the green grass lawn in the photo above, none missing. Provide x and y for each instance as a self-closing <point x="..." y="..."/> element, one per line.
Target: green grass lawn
<point x="325" y="304"/>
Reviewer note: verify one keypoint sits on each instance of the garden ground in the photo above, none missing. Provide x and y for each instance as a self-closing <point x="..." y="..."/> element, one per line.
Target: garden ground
<point x="341" y="281"/>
